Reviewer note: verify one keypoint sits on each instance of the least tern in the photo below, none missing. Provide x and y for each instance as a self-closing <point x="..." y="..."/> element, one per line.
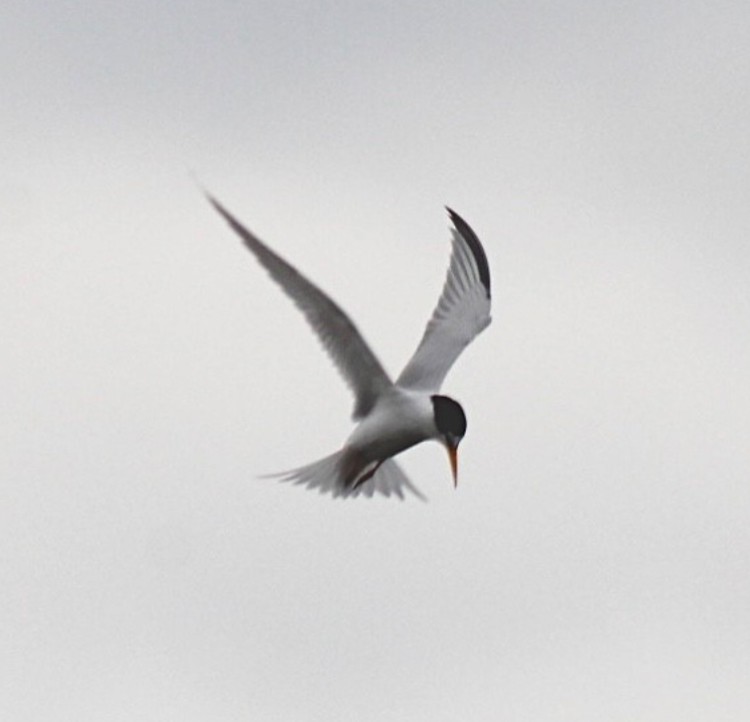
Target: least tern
<point x="392" y="416"/>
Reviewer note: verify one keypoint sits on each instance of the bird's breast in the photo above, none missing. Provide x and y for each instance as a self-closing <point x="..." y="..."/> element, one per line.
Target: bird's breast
<point x="396" y="423"/>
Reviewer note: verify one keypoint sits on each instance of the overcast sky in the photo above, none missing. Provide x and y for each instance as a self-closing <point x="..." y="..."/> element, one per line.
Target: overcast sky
<point x="593" y="563"/>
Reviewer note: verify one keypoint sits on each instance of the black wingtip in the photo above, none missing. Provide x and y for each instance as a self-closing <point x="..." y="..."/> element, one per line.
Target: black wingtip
<point x="472" y="240"/>
<point x="207" y="195"/>
<point x="224" y="213"/>
<point x="215" y="203"/>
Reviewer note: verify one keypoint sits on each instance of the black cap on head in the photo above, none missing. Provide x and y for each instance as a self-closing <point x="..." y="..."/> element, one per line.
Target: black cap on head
<point x="450" y="418"/>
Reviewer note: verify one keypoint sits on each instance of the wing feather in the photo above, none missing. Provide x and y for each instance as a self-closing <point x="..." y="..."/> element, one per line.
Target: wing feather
<point x="350" y="353"/>
<point x="462" y="312"/>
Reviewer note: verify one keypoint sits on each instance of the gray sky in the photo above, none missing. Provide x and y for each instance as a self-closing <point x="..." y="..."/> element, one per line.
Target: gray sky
<point x="593" y="563"/>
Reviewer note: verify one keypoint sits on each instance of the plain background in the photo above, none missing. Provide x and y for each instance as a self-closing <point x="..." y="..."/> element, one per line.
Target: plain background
<point x="593" y="562"/>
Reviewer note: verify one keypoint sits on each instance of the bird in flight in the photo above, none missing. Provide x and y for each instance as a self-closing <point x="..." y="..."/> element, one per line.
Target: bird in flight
<point x="392" y="416"/>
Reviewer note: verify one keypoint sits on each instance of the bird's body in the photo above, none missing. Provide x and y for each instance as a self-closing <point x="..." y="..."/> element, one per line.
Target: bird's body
<point x="392" y="417"/>
<point x="399" y="420"/>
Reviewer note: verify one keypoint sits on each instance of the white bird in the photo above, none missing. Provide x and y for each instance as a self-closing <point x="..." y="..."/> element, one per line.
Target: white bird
<point x="392" y="416"/>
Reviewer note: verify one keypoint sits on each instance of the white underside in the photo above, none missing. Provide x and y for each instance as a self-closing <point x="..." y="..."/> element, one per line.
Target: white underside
<point x="400" y="419"/>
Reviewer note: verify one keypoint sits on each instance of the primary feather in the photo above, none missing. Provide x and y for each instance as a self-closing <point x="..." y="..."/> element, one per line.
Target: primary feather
<point x="462" y="312"/>
<point x="350" y="353"/>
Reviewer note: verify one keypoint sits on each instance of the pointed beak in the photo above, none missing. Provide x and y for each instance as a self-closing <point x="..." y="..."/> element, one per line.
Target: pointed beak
<point x="453" y="456"/>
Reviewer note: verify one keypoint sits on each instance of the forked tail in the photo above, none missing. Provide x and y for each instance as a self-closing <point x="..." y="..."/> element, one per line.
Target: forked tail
<point x="326" y="476"/>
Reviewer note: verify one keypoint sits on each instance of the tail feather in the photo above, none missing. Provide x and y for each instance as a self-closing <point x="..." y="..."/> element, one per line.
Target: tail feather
<point x="325" y="476"/>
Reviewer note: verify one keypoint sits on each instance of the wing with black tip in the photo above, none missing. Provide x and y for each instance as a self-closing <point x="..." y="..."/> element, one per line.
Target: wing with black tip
<point x="462" y="312"/>
<point x="340" y="338"/>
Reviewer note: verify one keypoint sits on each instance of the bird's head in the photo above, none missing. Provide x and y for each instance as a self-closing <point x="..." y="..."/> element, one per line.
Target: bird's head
<point x="450" y="421"/>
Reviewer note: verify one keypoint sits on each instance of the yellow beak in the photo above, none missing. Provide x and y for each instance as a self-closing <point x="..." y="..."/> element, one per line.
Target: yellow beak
<point x="453" y="456"/>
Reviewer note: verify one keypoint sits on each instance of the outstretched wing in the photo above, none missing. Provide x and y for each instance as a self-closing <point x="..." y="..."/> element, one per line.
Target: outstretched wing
<point x="341" y="339"/>
<point x="462" y="312"/>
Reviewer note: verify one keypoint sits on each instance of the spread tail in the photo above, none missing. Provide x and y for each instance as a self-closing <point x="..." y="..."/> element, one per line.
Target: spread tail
<point x="326" y="476"/>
